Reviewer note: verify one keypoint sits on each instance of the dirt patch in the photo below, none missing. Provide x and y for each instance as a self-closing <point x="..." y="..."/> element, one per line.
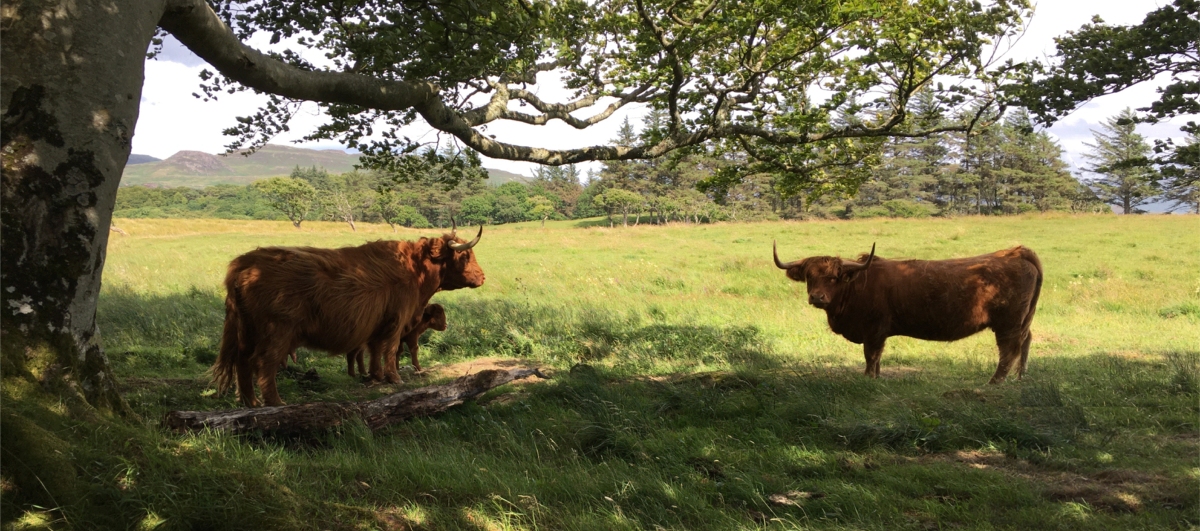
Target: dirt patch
<point x="970" y="395"/>
<point x="456" y="370"/>
<point x="1114" y="490"/>
<point x="795" y="498"/>
<point x="898" y="372"/>
<point x="395" y="520"/>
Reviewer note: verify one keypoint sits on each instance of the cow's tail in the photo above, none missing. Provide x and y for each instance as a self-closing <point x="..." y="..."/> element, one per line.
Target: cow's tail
<point x="233" y="338"/>
<point x="1026" y="334"/>
<point x="1032" y="258"/>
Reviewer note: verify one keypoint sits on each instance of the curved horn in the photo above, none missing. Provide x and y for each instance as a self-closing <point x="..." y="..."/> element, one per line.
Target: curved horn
<point x="470" y="244"/>
<point x="453" y="227"/>
<point x="779" y="264"/>
<point x="849" y="266"/>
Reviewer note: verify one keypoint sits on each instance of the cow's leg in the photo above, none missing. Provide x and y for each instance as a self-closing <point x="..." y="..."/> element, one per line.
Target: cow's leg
<point x="358" y="358"/>
<point x="1024" y="354"/>
<point x="351" y="357"/>
<point x="385" y="369"/>
<point x="245" y="368"/>
<point x="1010" y="353"/>
<point x="412" y="353"/>
<point x="873" y="351"/>
<point x="272" y="358"/>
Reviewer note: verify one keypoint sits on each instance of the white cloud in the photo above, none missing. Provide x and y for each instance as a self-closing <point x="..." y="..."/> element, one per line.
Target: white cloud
<point x="172" y="119"/>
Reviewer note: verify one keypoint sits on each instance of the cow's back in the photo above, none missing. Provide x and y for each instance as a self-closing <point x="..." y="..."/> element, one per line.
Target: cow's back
<point x="330" y="299"/>
<point x="946" y="300"/>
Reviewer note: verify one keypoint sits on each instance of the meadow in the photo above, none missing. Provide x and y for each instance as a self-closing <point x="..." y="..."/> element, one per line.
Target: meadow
<point x="693" y="388"/>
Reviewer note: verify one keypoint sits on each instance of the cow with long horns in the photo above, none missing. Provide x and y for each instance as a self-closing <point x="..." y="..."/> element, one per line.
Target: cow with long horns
<point x="871" y="299"/>
<point x="281" y="298"/>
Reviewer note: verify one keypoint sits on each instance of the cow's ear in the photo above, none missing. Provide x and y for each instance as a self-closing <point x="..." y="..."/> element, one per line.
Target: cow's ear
<point x="799" y="271"/>
<point x="439" y="248"/>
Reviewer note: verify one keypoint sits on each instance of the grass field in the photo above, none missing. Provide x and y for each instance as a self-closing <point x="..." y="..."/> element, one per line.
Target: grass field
<point x="693" y="389"/>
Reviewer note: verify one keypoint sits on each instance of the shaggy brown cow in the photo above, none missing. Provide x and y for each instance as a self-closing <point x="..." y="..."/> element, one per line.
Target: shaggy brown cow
<point x="873" y="299"/>
<point x="281" y="298"/>
<point x="434" y="317"/>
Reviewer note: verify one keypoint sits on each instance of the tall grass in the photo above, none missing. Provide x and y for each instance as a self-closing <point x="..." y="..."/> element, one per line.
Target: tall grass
<point x="694" y="389"/>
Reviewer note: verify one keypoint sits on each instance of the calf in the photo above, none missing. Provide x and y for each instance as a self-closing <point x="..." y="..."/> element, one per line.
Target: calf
<point x="871" y="299"/>
<point x="433" y="317"/>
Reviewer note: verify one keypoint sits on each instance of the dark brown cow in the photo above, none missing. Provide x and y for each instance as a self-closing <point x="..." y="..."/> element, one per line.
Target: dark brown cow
<point x="873" y="299"/>
<point x="281" y="298"/>
<point x="434" y="317"/>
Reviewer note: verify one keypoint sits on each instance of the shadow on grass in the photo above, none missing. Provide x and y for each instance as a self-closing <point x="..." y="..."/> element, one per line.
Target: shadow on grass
<point x="650" y="424"/>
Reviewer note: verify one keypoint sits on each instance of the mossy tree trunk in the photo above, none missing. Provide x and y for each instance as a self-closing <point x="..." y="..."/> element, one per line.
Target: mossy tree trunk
<point x="69" y="98"/>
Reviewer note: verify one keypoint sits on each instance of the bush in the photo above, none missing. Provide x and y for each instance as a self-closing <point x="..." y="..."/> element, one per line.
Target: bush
<point x="897" y="208"/>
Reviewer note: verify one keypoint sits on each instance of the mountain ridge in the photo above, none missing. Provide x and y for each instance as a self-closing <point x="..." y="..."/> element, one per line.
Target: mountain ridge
<point x="197" y="169"/>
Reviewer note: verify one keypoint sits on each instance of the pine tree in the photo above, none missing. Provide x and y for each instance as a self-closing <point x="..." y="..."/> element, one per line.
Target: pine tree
<point x="1182" y="176"/>
<point x="1121" y="157"/>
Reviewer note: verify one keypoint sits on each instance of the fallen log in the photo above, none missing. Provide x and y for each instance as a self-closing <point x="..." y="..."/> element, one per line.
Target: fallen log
<point x="315" y="416"/>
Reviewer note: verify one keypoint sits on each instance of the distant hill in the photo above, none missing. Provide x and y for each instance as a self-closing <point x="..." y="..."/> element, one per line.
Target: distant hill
<point x="499" y="177"/>
<point x="141" y="159"/>
<point x="197" y="169"/>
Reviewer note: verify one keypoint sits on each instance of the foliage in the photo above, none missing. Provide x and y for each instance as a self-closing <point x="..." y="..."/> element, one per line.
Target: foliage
<point x="1182" y="175"/>
<point x="291" y="196"/>
<point x="540" y="208"/>
<point x="1100" y="59"/>
<point x="1121" y="156"/>
<point x="618" y="200"/>
<point x="717" y="72"/>
<point x="221" y="201"/>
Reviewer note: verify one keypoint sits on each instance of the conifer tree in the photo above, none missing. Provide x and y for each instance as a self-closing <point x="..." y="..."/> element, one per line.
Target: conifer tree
<point x="1121" y="158"/>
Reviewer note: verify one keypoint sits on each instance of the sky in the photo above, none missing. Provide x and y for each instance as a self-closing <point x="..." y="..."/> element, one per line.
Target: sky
<point x="172" y="119"/>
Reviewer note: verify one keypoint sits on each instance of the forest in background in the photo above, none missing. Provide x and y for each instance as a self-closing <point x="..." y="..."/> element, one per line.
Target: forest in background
<point x="1007" y="167"/>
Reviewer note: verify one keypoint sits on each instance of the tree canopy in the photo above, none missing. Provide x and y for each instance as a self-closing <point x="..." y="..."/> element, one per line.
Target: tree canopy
<point x="776" y="74"/>
<point x="1099" y="59"/>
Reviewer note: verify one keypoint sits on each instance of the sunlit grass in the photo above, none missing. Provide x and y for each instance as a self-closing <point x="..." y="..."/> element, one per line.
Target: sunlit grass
<point x="693" y="386"/>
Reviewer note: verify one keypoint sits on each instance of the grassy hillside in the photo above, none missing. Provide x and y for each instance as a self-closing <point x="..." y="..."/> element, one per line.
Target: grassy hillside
<point x="693" y="389"/>
<point x="196" y="169"/>
<point x="499" y="177"/>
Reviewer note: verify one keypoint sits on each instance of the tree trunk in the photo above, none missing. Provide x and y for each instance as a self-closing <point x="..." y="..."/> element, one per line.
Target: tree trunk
<point x="316" y="416"/>
<point x="69" y="97"/>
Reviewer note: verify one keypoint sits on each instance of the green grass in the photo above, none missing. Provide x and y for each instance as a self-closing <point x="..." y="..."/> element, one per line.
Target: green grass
<point x="692" y="386"/>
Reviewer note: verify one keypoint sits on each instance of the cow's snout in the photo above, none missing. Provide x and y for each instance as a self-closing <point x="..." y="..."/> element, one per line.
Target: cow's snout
<point x="818" y="299"/>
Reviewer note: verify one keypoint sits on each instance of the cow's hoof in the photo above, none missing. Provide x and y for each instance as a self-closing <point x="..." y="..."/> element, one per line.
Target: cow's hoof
<point x="392" y="378"/>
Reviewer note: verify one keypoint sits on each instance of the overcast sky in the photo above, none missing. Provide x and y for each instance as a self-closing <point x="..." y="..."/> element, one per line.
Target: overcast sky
<point x="172" y="119"/>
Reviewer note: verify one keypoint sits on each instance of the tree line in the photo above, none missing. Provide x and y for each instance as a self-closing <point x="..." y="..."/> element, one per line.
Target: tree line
<point x="1005" y="167"/>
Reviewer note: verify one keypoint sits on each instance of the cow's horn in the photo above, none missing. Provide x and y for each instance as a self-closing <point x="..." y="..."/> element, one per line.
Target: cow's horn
<point x="855" y="266"/>
<point x="779" y="264"/>
<point x="470" y="244"/>
<point x="453" y="227"/>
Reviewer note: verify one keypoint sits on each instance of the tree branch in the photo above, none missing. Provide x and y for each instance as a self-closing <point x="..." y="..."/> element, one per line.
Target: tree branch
<point x="195" y="24"/>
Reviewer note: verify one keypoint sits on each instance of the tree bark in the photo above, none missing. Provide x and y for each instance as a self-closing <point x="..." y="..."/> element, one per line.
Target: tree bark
<point x="69" y="98"/>
<point x="307" y="418"/>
